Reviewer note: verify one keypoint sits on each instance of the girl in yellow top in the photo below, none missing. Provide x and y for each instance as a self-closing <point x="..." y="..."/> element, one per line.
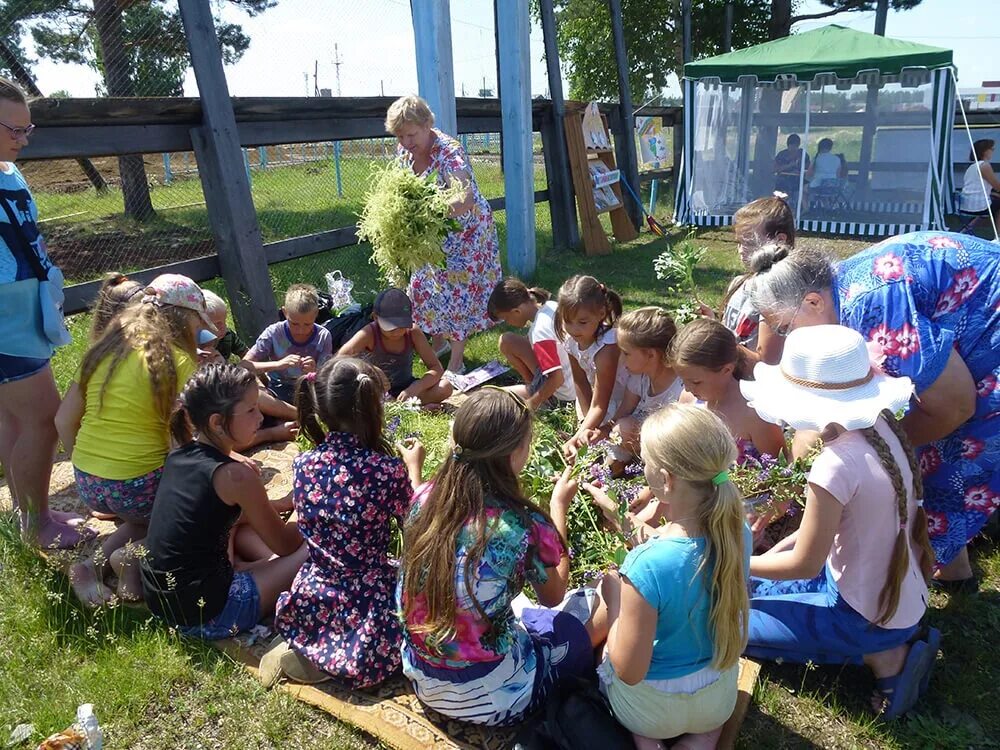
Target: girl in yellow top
<point x="115" y="423"/>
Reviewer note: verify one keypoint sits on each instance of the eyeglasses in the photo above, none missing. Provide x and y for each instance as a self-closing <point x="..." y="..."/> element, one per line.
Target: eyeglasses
<point x="783" y="331"/>
<point x="18" y="133"/>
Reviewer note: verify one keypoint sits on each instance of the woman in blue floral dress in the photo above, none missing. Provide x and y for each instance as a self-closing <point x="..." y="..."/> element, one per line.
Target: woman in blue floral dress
<point x="449" y="302"/>
<point x="929" y="305"/>
<point x="338" y="620"/>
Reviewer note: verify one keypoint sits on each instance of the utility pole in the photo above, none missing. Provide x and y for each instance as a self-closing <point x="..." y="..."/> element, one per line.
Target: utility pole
<point x="686" y="29"/>
<point x="305" y="76"/>
<point x="881" y="13"/>
<point x="381" y="86"/>
<point x="336" y="65"/>
<point x="316" y="78"/>
<point x="727" y="31"/>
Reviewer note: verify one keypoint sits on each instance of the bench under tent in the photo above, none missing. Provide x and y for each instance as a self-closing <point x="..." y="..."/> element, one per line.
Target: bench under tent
<point x="874" y="117"/>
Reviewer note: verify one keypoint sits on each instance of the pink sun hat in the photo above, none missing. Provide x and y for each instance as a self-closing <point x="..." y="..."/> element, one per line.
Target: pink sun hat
<point x="180" y="291"/>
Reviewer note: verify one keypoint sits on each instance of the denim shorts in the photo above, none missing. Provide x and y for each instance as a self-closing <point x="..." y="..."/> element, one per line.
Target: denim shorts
<point x="241" y="613"/>
<point x="18" y="368"/>
<point x="129" y="499"/>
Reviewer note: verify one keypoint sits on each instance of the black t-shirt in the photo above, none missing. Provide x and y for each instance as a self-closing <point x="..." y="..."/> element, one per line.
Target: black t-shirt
<point x="231" y="344"/>
<point x="186" y="572"/>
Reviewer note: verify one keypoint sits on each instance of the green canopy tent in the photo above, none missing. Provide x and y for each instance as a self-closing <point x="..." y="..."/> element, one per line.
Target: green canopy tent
<point x="874" y="117"/>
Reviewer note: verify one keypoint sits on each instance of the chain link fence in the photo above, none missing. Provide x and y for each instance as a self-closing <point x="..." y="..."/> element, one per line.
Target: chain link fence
<point x="137" y="212"/>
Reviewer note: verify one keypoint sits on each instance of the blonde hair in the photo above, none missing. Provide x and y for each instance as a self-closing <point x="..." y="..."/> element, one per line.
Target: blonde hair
<point x="695" y="446"/>
<point x="214" y="304"/>
<point x="11" y="92"/>
<point x="301" y="299"/>
<point x="152" y="331"/>
<point x="117" y="292"/>
<point x="648" y="328"/>
<point x="410" y="109"/>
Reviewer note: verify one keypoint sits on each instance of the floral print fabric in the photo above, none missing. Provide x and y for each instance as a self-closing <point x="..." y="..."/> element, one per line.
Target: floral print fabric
<point x="916" y="297"/>
<point x="340" y="612"/>
<point x="518" y="551"/>
<point x="452" y="300"/>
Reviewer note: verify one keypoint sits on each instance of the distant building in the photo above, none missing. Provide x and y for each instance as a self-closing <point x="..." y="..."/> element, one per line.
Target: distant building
<point x="986" y="98"/>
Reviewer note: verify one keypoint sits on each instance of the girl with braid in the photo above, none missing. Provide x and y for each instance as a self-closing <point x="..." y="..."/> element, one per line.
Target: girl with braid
<point x="338" y="620"/>
<point x="849" y="587"/>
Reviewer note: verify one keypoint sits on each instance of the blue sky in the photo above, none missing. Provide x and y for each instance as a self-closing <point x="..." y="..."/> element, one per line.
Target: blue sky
<point x="374" y="42"/>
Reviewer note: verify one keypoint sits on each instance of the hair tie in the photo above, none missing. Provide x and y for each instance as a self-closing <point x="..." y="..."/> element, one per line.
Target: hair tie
<point x="920" y="503"/>
<point x="361" y="378"/>
<point x="721" y="478"/>
<point x="781" y="195"/>
<point x="150" y="299"/>
<point x="603" y="288"/>
<point x="134" y="293"/>
<point x="456" y="453"/>
<point x="310" y="376"/>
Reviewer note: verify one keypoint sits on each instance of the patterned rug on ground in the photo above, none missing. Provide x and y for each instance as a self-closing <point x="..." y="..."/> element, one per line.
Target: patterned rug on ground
<point x="391" y="713"/>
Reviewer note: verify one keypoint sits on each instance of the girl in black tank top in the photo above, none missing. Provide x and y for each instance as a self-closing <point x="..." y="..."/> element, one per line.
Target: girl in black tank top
<point x="188" y="577"/>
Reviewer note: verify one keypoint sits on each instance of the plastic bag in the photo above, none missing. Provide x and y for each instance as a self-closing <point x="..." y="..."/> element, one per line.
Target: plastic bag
<point x="85" y="734"/>
<point x="340" y="291"/>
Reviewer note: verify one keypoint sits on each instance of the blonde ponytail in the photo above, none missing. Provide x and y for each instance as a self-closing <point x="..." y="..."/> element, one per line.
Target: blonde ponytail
<point x="694" y="445"/>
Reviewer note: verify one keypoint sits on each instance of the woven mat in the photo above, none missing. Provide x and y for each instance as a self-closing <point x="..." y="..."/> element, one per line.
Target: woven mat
<point x="390" y="712"/>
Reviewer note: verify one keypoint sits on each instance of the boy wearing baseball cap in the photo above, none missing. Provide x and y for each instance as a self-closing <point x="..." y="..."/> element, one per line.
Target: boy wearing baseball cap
<point x="390" y="341"/>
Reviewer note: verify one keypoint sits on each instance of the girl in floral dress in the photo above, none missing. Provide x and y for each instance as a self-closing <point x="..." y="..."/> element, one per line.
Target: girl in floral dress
<point x="338" y="620"/>
<point x="449" y="302"/>
<point x="471" y="543"/>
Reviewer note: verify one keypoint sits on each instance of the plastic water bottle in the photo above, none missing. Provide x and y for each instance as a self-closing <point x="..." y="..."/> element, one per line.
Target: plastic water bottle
<point x="87" y="722"/>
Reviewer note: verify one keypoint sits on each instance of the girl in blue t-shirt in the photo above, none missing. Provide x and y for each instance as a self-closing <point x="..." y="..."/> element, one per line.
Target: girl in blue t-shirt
<point x="679" y="620"/>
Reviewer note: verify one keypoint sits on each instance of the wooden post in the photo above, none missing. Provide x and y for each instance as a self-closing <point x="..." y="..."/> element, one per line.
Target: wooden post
<point x="881" y="13"/>
<point x="628" y="160"/>
<point x="435" y="68"/>
<point x="686" y="30"/>
<point x="227" y="190"/>
<point x="513" y="31"/>
<point x="558" y="176"/>
<point x="727" y="30"/>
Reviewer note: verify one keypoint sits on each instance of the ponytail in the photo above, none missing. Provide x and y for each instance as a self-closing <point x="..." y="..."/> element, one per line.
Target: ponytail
<point x="305" y="404"/>
<point x="586" y="292"/>
<point x="344" y="396"/>
<point x="511" y="293"/>
<point x="180" y="426"/>
<point x="723" y="521"/>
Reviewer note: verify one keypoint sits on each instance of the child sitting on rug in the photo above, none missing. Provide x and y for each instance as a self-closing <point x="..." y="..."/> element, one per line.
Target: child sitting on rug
<point x="294" y="346"/>
<point x="187" y="576"/>
<point x="338" y="619"/>
<point x="586" y="314"/>
<point x="678" y="625"/>
<point x="389" y="343"/>
<point x="471" y="542"/>
<point x="540" y="357"/>
<point x="114" y="424"/>
<point x="849" y="587"/>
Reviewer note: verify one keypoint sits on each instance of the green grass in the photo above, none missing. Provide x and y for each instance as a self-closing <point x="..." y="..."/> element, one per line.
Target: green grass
<point x="152" y="689"/>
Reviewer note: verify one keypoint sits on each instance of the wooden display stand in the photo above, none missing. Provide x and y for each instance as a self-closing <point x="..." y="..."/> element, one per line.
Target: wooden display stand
<point x="592" y="162"/>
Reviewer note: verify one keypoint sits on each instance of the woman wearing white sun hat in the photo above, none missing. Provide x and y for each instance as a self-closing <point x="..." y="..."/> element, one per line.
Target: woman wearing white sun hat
<point x="849" y="587"/>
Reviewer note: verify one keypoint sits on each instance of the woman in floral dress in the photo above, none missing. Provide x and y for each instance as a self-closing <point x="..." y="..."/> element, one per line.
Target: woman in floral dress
<point x="339" y="618"/>
<point x="450" y="302"/>
<point x="929" y="305"/>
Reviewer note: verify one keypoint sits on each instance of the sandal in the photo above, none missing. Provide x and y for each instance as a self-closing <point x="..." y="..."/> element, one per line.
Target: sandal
<point x="900" y="692"/>
<point x="966" y="586"/>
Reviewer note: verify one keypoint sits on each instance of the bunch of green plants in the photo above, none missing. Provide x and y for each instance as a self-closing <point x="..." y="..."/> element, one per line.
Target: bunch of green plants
<point x="405" y="219"/>
<point x="676" y="265"/>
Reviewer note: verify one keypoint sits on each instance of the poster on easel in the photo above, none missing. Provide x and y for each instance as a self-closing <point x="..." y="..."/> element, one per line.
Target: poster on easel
<point x="594" y="134"/>
<point x="652" y="143"/>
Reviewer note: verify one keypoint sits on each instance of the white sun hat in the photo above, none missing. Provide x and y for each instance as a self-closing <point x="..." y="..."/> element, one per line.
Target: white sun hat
<point x="825" y="377"/>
